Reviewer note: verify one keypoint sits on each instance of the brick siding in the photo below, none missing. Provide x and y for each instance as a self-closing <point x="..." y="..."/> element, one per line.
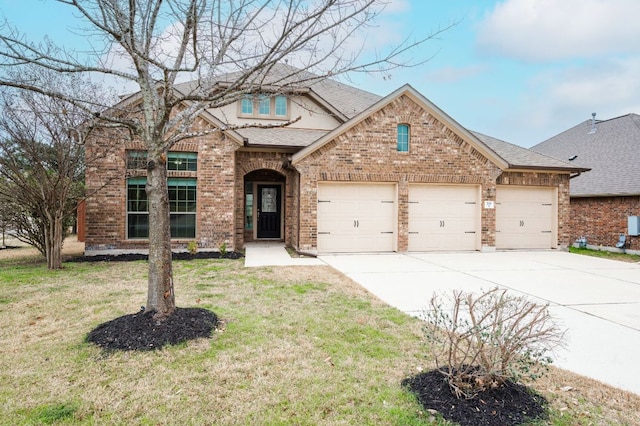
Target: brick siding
<point x="602" y="219"/>
<point x="368" y="153"/>
<point x="106" y="180"/>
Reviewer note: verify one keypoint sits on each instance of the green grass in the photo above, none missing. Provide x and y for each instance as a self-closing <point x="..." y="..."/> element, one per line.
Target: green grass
<point x="61" y="413"/>
<point x="297" y="346"/>
<point x="624" y="257"/>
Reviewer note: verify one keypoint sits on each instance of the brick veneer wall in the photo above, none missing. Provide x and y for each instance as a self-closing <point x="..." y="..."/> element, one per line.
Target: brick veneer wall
<point x="368" y="153"/>
<point x="603" y="219"/>
<point x="106" y="180"/>
<point x="560" y="181"/>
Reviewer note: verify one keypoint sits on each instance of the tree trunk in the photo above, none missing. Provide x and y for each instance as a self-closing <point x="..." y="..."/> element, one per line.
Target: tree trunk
<point x="160" y="296"/>
<point x="53" y="242"/>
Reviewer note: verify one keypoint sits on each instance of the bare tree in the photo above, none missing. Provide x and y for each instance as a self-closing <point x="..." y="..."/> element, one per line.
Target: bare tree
<point x="163" y="41"/>
<point x="42" y="164"/>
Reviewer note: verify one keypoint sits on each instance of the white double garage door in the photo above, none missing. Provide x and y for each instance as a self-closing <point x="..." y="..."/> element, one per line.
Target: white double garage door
<point x="355" y="217"/>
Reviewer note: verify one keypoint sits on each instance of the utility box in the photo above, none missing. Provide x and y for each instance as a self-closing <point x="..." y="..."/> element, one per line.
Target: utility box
<point x="634" y="226"/>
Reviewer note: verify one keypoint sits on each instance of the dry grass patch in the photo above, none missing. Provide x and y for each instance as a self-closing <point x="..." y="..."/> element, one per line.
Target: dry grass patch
<point x="299" y="346"/>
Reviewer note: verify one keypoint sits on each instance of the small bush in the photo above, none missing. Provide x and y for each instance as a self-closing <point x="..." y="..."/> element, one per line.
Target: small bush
<point x="223" y="248"/>
<point x="192" y="247"/>
<point x="481" y="341"/>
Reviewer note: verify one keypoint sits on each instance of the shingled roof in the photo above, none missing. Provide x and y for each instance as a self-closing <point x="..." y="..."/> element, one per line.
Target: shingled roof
<point x="612" y="152"/>
<point x="522" y="158"/>
<point x="347" y="100"/>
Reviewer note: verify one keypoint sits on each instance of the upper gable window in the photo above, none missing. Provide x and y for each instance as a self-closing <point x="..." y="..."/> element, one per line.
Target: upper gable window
<point x="246" y="106"/>
<point x="281" y="106"/>
<point x="403" y="138"/>
<point x="264" y="106"/>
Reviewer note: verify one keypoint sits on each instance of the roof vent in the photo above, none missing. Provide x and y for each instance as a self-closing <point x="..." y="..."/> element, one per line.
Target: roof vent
<point x="593" y="124"/>
<point x="573" y="157"/>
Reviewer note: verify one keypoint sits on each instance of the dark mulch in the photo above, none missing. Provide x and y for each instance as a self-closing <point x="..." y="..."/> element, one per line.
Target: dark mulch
<point x="175" y="256"/>
<point x="509" y="405"/>
<point x="141" y="332"/>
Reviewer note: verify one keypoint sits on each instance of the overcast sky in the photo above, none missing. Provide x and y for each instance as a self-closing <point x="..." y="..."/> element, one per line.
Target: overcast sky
<point x="518" y="70"/>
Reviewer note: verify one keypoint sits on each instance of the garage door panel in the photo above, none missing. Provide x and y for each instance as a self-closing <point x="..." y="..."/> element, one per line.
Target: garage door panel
<point x="356" y="217"/>
<point x="525" y="218"/>
<point x="443" y="217"/>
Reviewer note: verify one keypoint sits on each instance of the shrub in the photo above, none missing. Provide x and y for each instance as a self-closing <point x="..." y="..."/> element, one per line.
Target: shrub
<point x="223" y="248"/>
<point x="192" y="247"/>
<point x="481" y="341"/>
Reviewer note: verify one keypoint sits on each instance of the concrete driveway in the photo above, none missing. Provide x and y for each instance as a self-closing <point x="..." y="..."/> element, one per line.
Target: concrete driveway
<point x="597" y="300"/>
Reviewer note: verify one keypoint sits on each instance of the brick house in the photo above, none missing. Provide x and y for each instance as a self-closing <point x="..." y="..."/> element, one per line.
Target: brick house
<point x="603" y="199"/>
<point x="356" y="173"/>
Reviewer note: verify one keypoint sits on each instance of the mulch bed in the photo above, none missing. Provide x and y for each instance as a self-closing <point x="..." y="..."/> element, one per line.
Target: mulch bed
<point x="141" y="332"/>
<point x="509" y="405"/>
<point x="175" y="256"/>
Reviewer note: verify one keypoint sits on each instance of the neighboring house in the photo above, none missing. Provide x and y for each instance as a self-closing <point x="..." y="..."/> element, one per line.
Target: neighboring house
<point x="603" y="199"/>
<point x="356" y="173"/>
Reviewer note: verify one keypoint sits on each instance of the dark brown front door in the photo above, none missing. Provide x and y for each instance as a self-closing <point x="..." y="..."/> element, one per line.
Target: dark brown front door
<point x="269" y="201"/>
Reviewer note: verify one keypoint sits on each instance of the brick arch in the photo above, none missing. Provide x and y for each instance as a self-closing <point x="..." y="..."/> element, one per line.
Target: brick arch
<point x="254" y="165"/>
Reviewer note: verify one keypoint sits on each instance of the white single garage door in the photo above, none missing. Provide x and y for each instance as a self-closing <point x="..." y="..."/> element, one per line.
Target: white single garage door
<point x="444" y="217"/>
<point x="526" y="217"/>
<point x="355" y="218"/>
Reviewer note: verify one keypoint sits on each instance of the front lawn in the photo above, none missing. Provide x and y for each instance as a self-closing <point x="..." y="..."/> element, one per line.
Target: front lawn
<point x="298" y="346"/>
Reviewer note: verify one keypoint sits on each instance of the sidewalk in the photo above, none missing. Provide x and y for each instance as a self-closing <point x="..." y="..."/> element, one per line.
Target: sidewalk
<point x="274" y="254"/>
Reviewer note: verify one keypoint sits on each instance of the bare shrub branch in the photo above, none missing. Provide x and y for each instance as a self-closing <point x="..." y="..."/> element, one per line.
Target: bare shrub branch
<point x="482" y="341"/>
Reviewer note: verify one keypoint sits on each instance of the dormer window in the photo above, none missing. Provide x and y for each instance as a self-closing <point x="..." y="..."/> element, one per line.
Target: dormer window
<point x="281" y="106"/>
<point x="264" y="106"/>
<point x="246" y="106"/>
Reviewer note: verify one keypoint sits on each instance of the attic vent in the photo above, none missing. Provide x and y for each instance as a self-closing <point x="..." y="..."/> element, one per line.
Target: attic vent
<point x="593" y="124"/>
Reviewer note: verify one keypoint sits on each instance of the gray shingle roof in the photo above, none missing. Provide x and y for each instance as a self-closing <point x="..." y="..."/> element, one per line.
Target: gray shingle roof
<point x="284" y="137"/>
<point x="519" y="157"/>
<point x="351" y="101"/>
<point x="612" y="152"/>
<point x="347" y="99"/>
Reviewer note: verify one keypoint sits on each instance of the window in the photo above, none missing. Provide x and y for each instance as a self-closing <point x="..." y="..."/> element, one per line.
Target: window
<point x="248" y="206"/>
<point x="281" y="106"/>
<point x="264" y="106"/>
<point x="182" y="203"/>
<point x="403" y="138"/>
<point x="137" y="160"/>
<point x="137" y="209"/>
<point x="247" y="106"/>
<point x="185" y="161"/>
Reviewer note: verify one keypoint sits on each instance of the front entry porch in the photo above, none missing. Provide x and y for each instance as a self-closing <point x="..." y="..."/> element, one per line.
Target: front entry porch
<point x="264" y="207"/>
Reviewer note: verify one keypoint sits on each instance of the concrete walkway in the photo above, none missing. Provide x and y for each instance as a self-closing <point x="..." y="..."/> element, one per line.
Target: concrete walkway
<point x="274" y="254"/>
<point x="597" y="300"/>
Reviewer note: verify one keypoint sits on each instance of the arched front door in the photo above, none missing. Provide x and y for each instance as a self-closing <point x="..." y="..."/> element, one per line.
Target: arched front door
<point x="264" y="204"/>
